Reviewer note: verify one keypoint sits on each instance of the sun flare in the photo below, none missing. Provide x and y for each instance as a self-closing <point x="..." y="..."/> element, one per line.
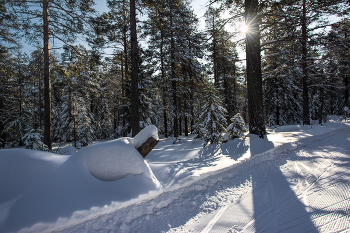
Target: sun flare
<point x="244" y="28"/>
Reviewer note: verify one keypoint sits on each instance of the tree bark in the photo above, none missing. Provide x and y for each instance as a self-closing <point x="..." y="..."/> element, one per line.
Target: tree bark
<point x="186" y="118"/>
<point x="47" y="85"/>
<point x="173" y="79"/>
<point x="306" y="118"/>
<point x="135" y="121"/>
<point x="346" y="81"/>
<point x="125" y="71"/>
<point x="147" y="146"/>
<point x="254" y="77"/>
<point x="320" y="119"/>
<point x="2" y="125"/>
<point x="346" y="91"/>
<point x="164" y="85"/>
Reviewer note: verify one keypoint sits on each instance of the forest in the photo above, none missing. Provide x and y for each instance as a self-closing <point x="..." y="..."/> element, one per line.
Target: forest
<point x="148" y="62"/>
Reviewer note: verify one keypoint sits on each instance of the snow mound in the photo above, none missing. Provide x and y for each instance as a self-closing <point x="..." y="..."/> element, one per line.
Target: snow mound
<point x="30" y="167"/>
<point x="39" y="190"/>
<point x="143" y="135"/>
<point x="114" y="160"/>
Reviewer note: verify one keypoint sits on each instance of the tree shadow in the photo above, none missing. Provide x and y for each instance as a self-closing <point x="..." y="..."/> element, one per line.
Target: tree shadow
<point x="276" y="206"/>
<point x="181" y="171"/>
<point x="246" y="147"/>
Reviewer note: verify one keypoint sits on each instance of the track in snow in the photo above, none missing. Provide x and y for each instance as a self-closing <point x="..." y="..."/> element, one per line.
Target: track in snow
<point x="310" y="192"/>
<point x="304" y="190"/>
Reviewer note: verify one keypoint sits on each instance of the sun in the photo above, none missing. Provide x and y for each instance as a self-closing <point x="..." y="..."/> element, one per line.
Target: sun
<point x="244" y="28"/>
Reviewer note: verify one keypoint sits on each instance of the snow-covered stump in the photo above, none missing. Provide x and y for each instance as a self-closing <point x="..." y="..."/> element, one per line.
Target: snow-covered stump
<point x="114" y="160"/>
<point x="146" y="140"/>
<point x="147" y="146"/>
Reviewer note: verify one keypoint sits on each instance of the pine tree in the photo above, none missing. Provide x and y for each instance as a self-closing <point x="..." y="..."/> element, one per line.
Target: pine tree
<point x="339" y="53"/>
<point x="211" y="122"/>
<point x="175" y="46"/>
<point x="253" y="64"/>
<point x="222" y="57"/>
<point x="63" y="28"/>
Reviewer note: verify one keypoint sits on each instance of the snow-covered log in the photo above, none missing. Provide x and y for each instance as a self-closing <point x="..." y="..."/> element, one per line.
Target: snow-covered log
<point x="145" y="140"/>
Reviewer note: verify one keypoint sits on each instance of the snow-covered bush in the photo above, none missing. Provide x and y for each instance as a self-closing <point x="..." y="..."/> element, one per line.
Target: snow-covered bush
<point x="237" y="128"/>
<point x="32" y="140"/>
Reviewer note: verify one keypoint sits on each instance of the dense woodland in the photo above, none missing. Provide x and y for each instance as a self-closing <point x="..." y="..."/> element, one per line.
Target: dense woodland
<point x="161" y="69"/>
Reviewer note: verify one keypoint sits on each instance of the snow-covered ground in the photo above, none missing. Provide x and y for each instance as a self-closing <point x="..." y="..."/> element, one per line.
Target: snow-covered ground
<point x="295" y="180"/>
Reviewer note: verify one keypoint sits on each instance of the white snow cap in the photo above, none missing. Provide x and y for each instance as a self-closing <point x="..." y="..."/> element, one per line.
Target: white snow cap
<point x="114" y="160"/>
<point x="143" y="135"/>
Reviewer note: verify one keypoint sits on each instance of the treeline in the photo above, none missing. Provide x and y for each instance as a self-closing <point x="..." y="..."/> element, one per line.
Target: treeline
<point x="188" y="80"/>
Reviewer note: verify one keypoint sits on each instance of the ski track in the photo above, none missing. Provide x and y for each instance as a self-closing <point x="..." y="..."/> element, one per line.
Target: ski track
<point x="316" y="170"/>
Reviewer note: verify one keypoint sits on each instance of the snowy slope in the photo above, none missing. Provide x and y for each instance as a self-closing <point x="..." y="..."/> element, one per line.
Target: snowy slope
<point x="200" y="186"/>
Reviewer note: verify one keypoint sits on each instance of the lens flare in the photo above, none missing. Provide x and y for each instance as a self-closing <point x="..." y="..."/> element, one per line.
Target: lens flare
<point x="244" y="28"/>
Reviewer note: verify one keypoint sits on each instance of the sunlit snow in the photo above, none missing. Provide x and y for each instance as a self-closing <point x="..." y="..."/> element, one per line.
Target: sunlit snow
<point x="295" y="179"/>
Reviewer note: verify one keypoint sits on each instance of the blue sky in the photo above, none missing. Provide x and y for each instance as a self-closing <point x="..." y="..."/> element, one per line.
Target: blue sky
<point x="100" y="5"/>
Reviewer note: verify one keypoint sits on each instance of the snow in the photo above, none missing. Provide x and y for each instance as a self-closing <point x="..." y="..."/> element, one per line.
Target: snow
<point x="114" y="160"/>
<point x="143" y="135"/>
<point x="296" y="179"/>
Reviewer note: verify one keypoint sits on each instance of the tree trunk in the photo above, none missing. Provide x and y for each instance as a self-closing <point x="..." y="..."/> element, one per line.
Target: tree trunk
<point x="321" y="120"/>
<point x="192" y="102"/>
<point x="164" y="86"/>
<point x="2" y="125"/>
<point x="254" y="78"/>
<point x="215" y="65"/>
<point x="278" y="104"/>
<point x="123" y="91"/>
<point x="173" y="79"/>
<point x="180" y="125"/>
<point x="346" y="80"/>
<point x="147" y="146"/>
<point x="135" y="121"/>
<point x="346" y="92"/>
<point x="20" y="143"/>
<point x="186" y="119"/>
<point x="306" y="118"/>
<point x="125" y="72"/>
<point x="47" y="85"/>
<point x="235" y="107"/>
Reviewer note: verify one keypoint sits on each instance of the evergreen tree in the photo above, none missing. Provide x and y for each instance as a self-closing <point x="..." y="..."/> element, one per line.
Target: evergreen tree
<point x="175" y="46"/>
<point x="237" y="128"/>
<point x="223" y="57"/>
<point x="339" y="53"/>
<point x="253" y="64"/>
<point x="66" y="21"/>
<point x="211" y="122"/>
<point x="116" y="27"/>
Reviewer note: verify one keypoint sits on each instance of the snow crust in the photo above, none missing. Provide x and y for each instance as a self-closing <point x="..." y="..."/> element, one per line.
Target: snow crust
<point x="43" y="192"/>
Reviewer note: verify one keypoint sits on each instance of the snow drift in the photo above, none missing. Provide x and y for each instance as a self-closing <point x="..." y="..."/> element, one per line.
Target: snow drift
<point x="38" y="187"/>
<point x="114" y="160"/>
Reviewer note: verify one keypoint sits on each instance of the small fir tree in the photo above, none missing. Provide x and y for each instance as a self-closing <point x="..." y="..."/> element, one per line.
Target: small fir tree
<point x="237" y="128"/>
<point x="33" y="140"/>
<point x="211" y="122"/>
